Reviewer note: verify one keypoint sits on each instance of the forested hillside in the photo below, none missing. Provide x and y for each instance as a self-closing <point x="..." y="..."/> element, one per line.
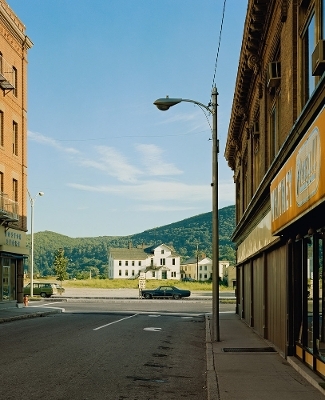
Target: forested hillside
<point x="85" y="254"/>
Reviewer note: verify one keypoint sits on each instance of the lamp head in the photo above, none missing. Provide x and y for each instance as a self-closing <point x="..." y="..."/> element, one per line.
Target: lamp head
<point x="164" y="104"/>
<point x="41" y="193"/>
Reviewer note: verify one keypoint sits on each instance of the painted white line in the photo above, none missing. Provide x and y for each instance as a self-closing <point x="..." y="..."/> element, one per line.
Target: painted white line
<point x="152" y="329"/>
<point x="114" y="322"/>
<point x="153" y="315"/>
<point x="45" y="306"/>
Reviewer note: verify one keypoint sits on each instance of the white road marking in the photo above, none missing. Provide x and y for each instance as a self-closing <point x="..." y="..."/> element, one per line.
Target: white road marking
<point x="114" y="322"/>
<point x="45" y="306"/>
<point x="154" y="315"/>
<point x="152" y="329"/>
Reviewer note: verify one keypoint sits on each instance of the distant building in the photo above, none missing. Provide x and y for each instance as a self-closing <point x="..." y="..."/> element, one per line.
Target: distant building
<point x="198" y="268"/>
<point x="155" y="262"/>
<point x="14" y="45"/>
<point x="201" y="268"/>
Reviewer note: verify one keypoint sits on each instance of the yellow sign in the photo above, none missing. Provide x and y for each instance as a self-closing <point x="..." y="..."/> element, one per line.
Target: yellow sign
<point x="298" y="185"/>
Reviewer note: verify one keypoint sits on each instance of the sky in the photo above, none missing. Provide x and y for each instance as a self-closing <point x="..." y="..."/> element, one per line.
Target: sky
<point x="108" y="161"/>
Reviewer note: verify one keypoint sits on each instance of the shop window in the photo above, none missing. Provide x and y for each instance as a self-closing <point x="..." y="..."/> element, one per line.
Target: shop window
<point x="312" y="331"/>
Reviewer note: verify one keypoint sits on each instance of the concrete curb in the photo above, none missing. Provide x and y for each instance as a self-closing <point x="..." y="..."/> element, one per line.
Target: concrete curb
<point x="304" y="371"/>
<point x="30" y="315"/>
<point x="212" y="380"/>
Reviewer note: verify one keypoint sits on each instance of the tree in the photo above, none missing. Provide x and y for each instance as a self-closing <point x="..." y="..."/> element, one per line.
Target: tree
<point x="60" y="265"/>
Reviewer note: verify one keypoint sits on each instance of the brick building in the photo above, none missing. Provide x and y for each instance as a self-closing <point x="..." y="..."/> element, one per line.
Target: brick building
<point x="14" y="45"/>
<point x="276" y="148"/>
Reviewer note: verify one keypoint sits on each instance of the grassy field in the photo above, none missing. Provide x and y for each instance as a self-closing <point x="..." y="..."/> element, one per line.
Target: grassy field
<point x="129" y="284"/>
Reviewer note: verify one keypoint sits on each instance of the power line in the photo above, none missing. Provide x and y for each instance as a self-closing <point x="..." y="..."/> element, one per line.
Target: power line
<point x="217" y="55"/>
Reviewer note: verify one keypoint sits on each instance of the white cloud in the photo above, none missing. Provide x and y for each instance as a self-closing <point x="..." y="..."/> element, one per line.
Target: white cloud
<point x="154" y="191"/>
<point x="37" y="137"/>
<point x="151" y="158"/>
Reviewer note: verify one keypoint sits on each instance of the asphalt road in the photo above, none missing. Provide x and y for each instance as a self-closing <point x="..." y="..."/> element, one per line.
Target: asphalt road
<point x="107" y="350"/>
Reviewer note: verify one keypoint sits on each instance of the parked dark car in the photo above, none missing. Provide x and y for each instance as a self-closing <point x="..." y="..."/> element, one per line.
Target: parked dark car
<point x="187" y="279"/>
<point x="171" y="292"/>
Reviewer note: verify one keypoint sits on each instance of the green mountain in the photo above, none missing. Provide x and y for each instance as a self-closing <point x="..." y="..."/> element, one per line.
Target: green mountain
<point x="185" y="236"/>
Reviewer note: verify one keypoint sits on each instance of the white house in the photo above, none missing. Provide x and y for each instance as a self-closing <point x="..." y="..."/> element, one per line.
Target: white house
<point x="201" y="268"/>
<point x="197" y="268"/>
<point x="156" y="262"/>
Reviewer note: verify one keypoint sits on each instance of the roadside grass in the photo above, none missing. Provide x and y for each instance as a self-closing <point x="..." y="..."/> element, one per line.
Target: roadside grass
<point x="130" y="284"/>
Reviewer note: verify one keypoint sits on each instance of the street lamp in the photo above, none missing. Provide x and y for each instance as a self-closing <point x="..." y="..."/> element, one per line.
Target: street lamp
<point x="32" y="202"/>
<point x="164" y="104"/>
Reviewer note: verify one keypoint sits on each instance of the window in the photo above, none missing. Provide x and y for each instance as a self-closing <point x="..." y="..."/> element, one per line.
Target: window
<point x="200" y="267"/>
<point x="162" y="251"/>
<point x="274" y="127"/>
<point x="173" y="261"/>
<point x="205" y="268"/>
<point x="139" y="263"/>
<point x="15" y="190"/>
<point x="173" y="274"/>
<point x="162" y="261"/>
<point x="322" y="13"/>
<point x="308" y="46"/>
<point x="132" y="263"/>
<point x="126" y="263"/>
<point x="1" y="182"/>
<point x="119" y="272"/>
<point x="133" y="272"/>
<point x="15" y="138"/>
<point x="120" y="263"/>
<point x="1" y="129"/>
<point x="15" y="81"/>
<point x="126" y="272"/>
<point x="153" y="274"/>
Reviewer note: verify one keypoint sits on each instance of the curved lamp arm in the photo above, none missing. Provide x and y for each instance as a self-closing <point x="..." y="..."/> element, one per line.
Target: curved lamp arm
<point x="164" y="104"/>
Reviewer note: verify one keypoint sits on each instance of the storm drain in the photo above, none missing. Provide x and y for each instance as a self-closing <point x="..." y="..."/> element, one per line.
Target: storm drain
<point x="249" y="350"/>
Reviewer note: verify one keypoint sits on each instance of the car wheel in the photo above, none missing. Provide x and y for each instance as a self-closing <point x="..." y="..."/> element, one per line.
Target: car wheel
<point x="147" y="296"/>
<point x="43" y="294"/>
<point x="176" y="296"/>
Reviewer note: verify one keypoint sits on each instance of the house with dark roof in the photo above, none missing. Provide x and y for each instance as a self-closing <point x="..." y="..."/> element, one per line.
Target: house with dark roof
<point x="154" y="262"/>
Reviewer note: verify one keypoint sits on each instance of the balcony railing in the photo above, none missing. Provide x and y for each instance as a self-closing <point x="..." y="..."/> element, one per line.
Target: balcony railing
<point x="8" y="209"/>
<point x="7" y="75"/>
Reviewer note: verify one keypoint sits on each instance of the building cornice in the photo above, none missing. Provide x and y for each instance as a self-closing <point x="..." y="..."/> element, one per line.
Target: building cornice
<point x="258" y="14"/>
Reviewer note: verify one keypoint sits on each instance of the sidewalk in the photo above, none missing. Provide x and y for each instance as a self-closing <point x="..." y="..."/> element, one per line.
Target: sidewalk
<point x="238" y="370"/>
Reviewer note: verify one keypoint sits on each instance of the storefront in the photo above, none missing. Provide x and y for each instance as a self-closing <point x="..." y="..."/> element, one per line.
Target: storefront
<point x="298" y="215"/>
<point x="12" y="253"/>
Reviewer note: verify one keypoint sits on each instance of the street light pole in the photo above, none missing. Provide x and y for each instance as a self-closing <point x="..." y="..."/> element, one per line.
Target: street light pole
<point x="32" y="202"/>
<point x="164" y="104"/>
